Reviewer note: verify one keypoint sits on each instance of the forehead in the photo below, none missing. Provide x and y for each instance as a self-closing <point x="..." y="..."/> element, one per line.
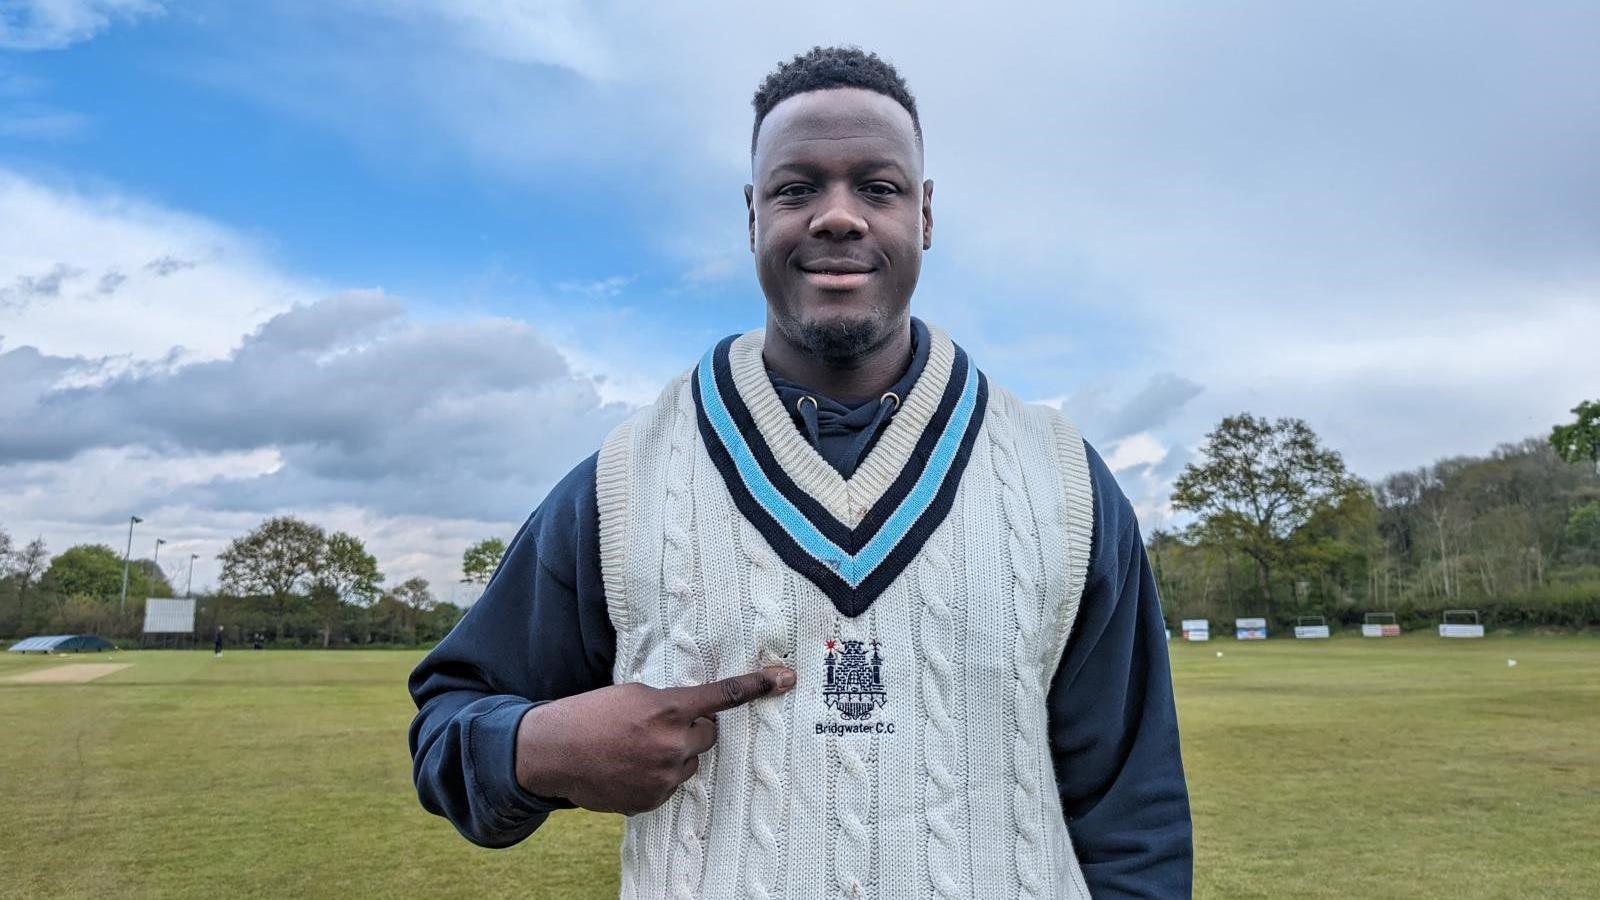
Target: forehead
<point x="836" y="126"/>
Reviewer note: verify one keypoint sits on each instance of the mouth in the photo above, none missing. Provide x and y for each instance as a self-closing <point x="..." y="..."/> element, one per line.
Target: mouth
<point x="837" y="274"/>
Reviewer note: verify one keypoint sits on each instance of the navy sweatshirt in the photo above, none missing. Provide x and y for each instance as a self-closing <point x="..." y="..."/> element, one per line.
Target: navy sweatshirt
<point x="541" y="632"/>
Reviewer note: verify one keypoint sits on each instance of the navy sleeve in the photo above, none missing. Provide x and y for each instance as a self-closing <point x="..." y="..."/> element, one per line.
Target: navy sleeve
<point x="1113" y="726"/>
<point x="538" y="633"/>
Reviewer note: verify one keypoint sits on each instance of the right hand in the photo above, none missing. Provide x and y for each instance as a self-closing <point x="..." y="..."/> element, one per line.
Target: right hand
<point x="625" y="748"/>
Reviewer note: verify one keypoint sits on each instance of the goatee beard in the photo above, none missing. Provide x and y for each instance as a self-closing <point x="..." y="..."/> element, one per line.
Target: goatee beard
<point x="839" y="340"/>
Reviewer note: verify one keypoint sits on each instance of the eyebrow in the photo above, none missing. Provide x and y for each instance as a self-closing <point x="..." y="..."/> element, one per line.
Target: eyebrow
<point x="871" y="165"/>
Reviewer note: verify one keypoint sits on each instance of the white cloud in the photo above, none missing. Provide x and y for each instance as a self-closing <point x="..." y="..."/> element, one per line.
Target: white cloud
<point x="41" y="122"/>
<point x="557" y="33"/>
<point x="596" y="288"/>
<point x="52" y="24"/>
<point x="1416" y="387"/>
<point x="341" y="411"/>
<point x="97" y="273"/>
<point x="1140" y="449"/>
<point x="421" y="436"/>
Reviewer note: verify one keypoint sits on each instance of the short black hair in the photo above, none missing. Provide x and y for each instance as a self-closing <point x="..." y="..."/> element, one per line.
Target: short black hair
<point x="822" y="68"/>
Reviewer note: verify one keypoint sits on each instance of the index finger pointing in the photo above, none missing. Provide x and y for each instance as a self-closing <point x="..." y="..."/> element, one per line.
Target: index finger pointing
<point x="712" y="698"/>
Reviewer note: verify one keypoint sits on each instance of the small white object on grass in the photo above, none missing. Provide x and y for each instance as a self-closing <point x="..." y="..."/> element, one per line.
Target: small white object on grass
<point x="1510" y="663"/>
<point x="1219" y="654"/>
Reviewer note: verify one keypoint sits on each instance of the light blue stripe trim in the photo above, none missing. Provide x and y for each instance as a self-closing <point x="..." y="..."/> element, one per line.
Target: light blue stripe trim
<point x="852" y="569"/>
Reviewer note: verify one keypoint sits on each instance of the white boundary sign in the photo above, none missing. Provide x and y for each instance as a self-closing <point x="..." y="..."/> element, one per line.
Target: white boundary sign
<point x="1374" y="625"/>
<point x="1250" y="629"/>
<point x="1197" y="629"/>
<point x="1451" y="629"/>
<point x="1311" y="628"/>
<point x="165" y="615"/>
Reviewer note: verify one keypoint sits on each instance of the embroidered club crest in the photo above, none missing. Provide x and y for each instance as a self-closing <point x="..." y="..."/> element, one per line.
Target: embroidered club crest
<point x="852" y="680"/>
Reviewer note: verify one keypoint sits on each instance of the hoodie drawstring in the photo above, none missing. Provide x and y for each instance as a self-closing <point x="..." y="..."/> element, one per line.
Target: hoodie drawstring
<point x="888" y="405"/>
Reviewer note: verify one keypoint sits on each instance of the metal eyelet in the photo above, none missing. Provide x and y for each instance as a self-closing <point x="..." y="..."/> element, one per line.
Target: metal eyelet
<point x="803" y="399"/>
<point x="890" y="395"/>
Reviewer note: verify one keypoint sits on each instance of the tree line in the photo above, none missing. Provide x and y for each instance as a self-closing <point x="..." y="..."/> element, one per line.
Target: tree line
<point x="1281" y="529"/>
<point x="288" y="580"/>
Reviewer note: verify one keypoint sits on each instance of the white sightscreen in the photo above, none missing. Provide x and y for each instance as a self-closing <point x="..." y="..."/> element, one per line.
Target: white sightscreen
<point x="163" y="615"/>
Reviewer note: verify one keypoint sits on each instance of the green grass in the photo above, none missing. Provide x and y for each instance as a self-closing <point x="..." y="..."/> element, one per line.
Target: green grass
<point x="1409" y="767"/>
<point x="1398" y="768"/>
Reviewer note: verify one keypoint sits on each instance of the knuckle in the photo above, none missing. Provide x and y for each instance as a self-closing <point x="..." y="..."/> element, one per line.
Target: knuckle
<point x="733" y="691"/>
<point x="670" y="705"/>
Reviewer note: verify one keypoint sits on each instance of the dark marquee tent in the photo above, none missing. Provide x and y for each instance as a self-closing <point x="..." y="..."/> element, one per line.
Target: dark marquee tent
<point x="62" y="643"/>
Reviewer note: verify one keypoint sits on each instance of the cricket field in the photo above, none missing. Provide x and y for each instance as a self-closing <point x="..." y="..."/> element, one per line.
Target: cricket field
<point x="1398" y="767"/>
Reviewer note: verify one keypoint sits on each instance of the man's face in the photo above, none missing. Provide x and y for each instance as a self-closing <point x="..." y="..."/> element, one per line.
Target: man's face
<point x="839" y="217"/>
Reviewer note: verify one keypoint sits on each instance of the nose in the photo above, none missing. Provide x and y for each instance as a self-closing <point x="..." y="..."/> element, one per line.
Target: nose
<point x="837" y="219"/>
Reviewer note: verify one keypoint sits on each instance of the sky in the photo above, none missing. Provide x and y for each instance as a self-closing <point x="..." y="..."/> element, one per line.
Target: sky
<point x="395" y="266"/>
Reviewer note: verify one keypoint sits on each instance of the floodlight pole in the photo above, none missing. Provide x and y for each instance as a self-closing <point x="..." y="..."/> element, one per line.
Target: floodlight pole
<point x="157" y="558"/>
<point x="190" y="583"/>
<point x="132" y="521"/>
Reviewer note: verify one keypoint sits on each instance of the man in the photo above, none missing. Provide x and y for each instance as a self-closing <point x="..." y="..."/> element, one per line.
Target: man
<point x="217" y="642"/>
<point x="835" y="616"/>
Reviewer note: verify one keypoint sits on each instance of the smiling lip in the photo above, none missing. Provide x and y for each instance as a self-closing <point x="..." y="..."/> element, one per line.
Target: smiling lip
<point x="837" y="274"/>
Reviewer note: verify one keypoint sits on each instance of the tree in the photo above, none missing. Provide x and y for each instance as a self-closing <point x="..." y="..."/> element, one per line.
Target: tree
<point x="415" y="600"/>
<point x="28" y="564"/>
<point x="93" y="570"/>
<point x="1580" y="440"/>
<point x="481" y="559"/>
<point x="347" y="574"/>
<point x="155" y="580"/>
<point x="1256" y="482"/>
<point x="280" y="558"/>
<point x="1335" y="547"/>
<point x="6" y="553"/>
<point x="1583" y="528"/>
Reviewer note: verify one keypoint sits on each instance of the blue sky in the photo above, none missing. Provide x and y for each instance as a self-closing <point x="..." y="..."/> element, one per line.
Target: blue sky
<point x="306" y="257"/>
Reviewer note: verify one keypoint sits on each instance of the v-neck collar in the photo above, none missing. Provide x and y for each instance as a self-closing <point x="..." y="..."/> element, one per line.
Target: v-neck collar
<point x="846" y="499"/>
<point x="850" y="537"/>
<point x="845" y="433"/>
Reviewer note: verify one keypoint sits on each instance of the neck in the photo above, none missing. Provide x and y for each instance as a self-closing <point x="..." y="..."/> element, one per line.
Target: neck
<point x="859" y="378"/>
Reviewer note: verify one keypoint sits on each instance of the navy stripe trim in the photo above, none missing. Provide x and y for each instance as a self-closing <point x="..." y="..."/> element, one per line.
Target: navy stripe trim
<point x="850" y="601"/>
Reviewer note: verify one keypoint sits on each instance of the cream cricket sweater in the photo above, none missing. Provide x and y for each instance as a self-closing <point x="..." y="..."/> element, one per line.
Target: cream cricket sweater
<point x="924" y="604"/>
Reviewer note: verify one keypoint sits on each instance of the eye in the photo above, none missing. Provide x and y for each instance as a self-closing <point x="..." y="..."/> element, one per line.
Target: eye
<point x="794" y="190"/>
<point x="880" y="188"/>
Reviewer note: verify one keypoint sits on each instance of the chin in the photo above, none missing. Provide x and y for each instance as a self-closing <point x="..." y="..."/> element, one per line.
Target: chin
<point x="841" y="330"/>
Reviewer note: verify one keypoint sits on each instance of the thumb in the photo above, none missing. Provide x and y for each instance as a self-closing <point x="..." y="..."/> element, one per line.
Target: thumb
<point x="710" y="699"/>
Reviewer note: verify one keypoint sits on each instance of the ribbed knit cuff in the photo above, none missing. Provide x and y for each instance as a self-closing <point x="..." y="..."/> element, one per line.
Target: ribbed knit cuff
<point x="494" y="765"/>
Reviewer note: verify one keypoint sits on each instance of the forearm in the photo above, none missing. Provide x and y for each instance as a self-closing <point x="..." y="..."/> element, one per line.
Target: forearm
<point x="464" y="766"/>
<point x="539" y="633"/>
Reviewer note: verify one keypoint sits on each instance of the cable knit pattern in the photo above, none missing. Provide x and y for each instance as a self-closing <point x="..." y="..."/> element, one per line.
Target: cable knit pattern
<point x="941" y="737"/>
<point x="1027" y="691"/>
<point x="945" y="788"/>
<point x="687" y="668"/>
<point x="852" y="858"/>
<point x="769" y="746"/>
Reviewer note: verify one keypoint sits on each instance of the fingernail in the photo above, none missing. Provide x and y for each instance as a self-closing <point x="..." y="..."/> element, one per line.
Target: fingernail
<point x="783" y="679"/>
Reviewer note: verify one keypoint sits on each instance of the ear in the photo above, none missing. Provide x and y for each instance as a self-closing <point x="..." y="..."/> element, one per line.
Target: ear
<point x="750" y="206"/>
<point x="927" y="214"/>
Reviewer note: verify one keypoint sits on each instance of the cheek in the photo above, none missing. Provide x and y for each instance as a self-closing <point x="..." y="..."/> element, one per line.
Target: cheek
<point x="905" y="245"/>
<point x="775" y="242"/>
